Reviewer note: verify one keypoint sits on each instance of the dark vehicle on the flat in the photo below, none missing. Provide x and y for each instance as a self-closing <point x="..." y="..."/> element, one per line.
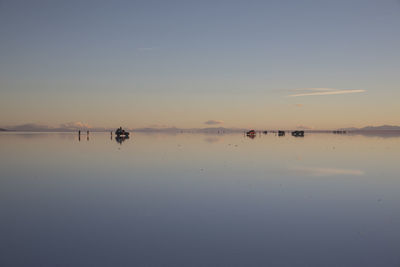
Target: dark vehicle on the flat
<point x="121" y="132"/>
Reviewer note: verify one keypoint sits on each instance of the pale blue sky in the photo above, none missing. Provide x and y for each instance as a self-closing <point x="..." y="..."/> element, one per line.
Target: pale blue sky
<point x="181" y="63"/>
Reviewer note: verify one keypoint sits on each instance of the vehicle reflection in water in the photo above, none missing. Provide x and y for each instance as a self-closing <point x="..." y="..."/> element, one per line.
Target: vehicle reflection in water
<point x="251" y="136"/>
<point x="121" y="139"/>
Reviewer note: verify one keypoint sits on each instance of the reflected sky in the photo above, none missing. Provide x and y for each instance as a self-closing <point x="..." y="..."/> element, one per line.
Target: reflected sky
<point x="199" y="200"/>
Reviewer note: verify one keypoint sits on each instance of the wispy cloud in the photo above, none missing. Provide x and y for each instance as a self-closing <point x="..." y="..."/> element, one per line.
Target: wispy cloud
<point x="324" y="91"/>
<point x="313" y="89"/>
<point x="214" y="122"/>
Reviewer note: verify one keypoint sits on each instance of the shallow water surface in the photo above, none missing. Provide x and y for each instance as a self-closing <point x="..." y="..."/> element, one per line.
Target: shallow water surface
<point x="199" y="200"/>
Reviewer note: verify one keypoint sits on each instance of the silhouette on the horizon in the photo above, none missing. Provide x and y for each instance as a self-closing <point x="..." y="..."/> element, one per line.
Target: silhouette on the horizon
<point x="120" y="132"/>
<point x="298" y="133"/>
<point x="339" y="132"/>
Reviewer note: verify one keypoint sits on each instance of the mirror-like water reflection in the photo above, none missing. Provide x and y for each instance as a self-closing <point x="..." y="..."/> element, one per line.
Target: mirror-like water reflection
<point x="199" y="200"/>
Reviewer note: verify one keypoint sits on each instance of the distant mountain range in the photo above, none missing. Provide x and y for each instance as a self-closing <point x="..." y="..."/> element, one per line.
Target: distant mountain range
<point x="190" y="130"/>
<point x="44" y="128"/>
<point x="2" y="130"/>
<point x="376" y="128"/>
<point x="32" y="127"/>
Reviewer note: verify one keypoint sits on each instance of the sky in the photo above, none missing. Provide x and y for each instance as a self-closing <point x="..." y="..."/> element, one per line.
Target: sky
<point x="247" y="64"/>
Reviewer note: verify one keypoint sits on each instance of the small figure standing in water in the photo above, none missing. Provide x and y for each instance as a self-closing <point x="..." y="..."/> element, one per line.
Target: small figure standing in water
<point x="87" y="132"/>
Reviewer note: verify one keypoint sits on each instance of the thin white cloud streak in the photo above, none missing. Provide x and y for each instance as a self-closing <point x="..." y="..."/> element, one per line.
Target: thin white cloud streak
<point x="314" y="89"/>
<point x="329" y="92"/>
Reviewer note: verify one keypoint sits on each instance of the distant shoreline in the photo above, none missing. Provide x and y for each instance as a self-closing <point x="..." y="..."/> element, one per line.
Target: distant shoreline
<point x="46" y="129"/>
<point x="200" y="131"/>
